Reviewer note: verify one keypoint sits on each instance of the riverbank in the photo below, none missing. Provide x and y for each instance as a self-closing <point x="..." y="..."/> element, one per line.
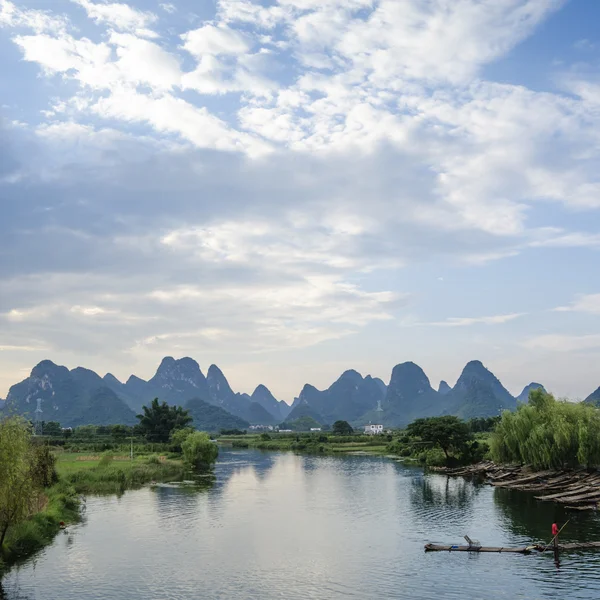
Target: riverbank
<point x="81" y="475"/>
<point x="317" y="443"/>
<point x="575" y="489"/>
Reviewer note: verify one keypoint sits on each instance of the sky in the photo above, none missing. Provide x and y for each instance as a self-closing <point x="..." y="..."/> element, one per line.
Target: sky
<point x="293" y="188"/>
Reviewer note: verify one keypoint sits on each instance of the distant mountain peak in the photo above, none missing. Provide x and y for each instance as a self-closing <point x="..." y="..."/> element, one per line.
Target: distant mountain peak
<point x="177" y="368"/>
<point x="47" y="367"/>
<point x="524" y="395"/>
<point x="110" y="378"/>
<point x="444" y="388"/>
<point x="181" y="374"/>
<point x="351" y="374"/>
<point x="479" y="393"/>
<point x="594" y="397"/>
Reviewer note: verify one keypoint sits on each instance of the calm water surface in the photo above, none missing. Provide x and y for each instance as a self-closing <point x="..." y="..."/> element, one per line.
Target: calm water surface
<point x="286" y="526"/>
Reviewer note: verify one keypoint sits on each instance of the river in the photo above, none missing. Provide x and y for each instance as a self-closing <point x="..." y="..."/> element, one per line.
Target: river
<point x="283" y="526"/>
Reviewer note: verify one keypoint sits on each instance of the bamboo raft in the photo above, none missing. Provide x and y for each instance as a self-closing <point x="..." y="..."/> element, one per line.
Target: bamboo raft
<point x="577" y="489"/>
<point x="457" y="548"/>
<point x="518" y="550"/>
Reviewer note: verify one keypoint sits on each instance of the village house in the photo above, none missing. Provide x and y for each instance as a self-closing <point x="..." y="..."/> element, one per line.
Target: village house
<point x="373" y="429"/>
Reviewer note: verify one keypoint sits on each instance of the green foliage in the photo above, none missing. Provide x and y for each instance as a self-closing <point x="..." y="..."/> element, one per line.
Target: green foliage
<point x="106" y="460"/>
<point x="448" y="433"/>
<point x="342" y="428"/>
<point x="483" y="424"/>
<point x="52" y="428"/>
<point x="179" y="436"/>
<point x="42" y="467"/>
<point x="265" y="437"/>
<point x="199" y="451"/>
<point x="18" y="491"/>
<point x="26" y="469"/>
<point x="232" y="432"/>
<point x="159" y="420"/>
<point x="548" y="433"/>
<point x="240" y="444"/>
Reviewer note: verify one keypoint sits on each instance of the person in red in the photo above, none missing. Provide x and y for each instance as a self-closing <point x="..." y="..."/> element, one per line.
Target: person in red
<point x="554" y="529"/>
<point x="555" y="536"/>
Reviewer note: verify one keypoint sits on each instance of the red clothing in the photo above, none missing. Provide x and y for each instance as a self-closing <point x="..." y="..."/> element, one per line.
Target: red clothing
<point x="554" y="529"/>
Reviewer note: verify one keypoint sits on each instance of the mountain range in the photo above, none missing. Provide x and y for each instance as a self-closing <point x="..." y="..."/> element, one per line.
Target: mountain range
<point x="80" y="396"/>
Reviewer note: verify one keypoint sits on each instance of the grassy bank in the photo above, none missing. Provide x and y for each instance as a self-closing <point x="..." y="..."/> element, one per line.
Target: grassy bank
<point x="61" y="503"/>
<point x="81" y="474"/>
<point x="313" y="443"/>
<point x="113" y="474"/>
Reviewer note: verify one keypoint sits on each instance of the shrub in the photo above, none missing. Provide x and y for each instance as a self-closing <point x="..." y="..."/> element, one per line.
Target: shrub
<point x="199" y="451"/>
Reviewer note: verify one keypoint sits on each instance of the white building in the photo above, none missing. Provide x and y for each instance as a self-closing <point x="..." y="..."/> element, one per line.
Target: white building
<point x="373" y="429"/>
<point x="315" y="429"/>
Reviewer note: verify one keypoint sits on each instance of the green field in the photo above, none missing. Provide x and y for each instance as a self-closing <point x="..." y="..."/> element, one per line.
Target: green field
<point x="313" y="443"/>
<point x="114" y="473"/>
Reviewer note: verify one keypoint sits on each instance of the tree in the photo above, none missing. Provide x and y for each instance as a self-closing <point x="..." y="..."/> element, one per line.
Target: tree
<point x="199" y="451"/>
<point x="120" y="432"/>
<point x="448" y="433"/>
<point x="342" y="428"/>
<point x="159" y="420"/>
<point x="17" y="487"/>
<point x="179" y="436"/>
<point x="548" y="433"/>
<point x="52" y="428"/>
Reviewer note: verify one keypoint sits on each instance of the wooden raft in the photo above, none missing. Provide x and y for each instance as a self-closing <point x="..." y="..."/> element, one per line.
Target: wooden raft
<point x="455" y="548"/>
<point x="519" y="550"/>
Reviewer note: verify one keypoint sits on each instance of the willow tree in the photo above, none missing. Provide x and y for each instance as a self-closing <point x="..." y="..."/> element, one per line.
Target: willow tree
<point x="17" y="486"/>
<point x="548" y="433"/>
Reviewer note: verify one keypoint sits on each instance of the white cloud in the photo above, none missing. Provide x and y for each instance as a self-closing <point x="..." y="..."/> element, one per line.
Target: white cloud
<point x="121" y="16"/>
<point x="563" y="343"/>
<point x="167" y="114"/>
<point x="38" y="20"/>
<point x="168" y="7"/>
<point x="467" y="321"/>
<point x="215" y="40"/>
<point x="585" y="303"/>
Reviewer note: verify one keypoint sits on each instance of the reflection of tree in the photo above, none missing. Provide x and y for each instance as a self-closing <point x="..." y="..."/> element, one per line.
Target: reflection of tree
<point x="439" y="490"/>
<point x="532" y="519"/>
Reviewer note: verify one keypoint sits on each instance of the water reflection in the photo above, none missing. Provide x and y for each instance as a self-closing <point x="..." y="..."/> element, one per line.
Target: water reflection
<point x="531" y="519"/>
<point x="438" y="490"/>
<point x="280" y="525"/>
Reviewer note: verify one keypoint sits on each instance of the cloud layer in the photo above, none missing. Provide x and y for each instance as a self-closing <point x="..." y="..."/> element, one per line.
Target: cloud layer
<point x="272" y="178"/>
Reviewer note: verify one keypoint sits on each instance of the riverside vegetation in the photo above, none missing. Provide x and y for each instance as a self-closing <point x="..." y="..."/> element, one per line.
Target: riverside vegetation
<point x="548" y="434"/>
<point x="42" y="478"/>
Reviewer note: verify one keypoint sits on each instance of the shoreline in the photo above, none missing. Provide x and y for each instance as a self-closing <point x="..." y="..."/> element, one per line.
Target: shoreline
<point x="574" y="489"/>
<point x="64" y="498"/>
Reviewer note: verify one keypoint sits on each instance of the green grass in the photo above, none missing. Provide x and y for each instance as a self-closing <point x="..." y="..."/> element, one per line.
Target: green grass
<point x="110" y="474"/>
<point x="309" y="443"/>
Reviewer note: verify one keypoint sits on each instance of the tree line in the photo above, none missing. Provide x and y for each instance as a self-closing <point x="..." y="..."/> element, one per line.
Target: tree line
<point x="548" y="434"/>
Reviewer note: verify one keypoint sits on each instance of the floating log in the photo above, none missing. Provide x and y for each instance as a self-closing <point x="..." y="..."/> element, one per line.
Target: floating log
<point x="580" y="499"/>
<point x="523" y="480"/>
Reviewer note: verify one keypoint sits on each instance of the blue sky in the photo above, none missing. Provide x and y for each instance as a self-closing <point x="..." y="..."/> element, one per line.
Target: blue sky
<point x="292" y="188"/>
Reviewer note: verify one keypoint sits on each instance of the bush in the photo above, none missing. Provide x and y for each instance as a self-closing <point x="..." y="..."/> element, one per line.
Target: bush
<point x="106" y="460"/>
<point x="199" y="451"/>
